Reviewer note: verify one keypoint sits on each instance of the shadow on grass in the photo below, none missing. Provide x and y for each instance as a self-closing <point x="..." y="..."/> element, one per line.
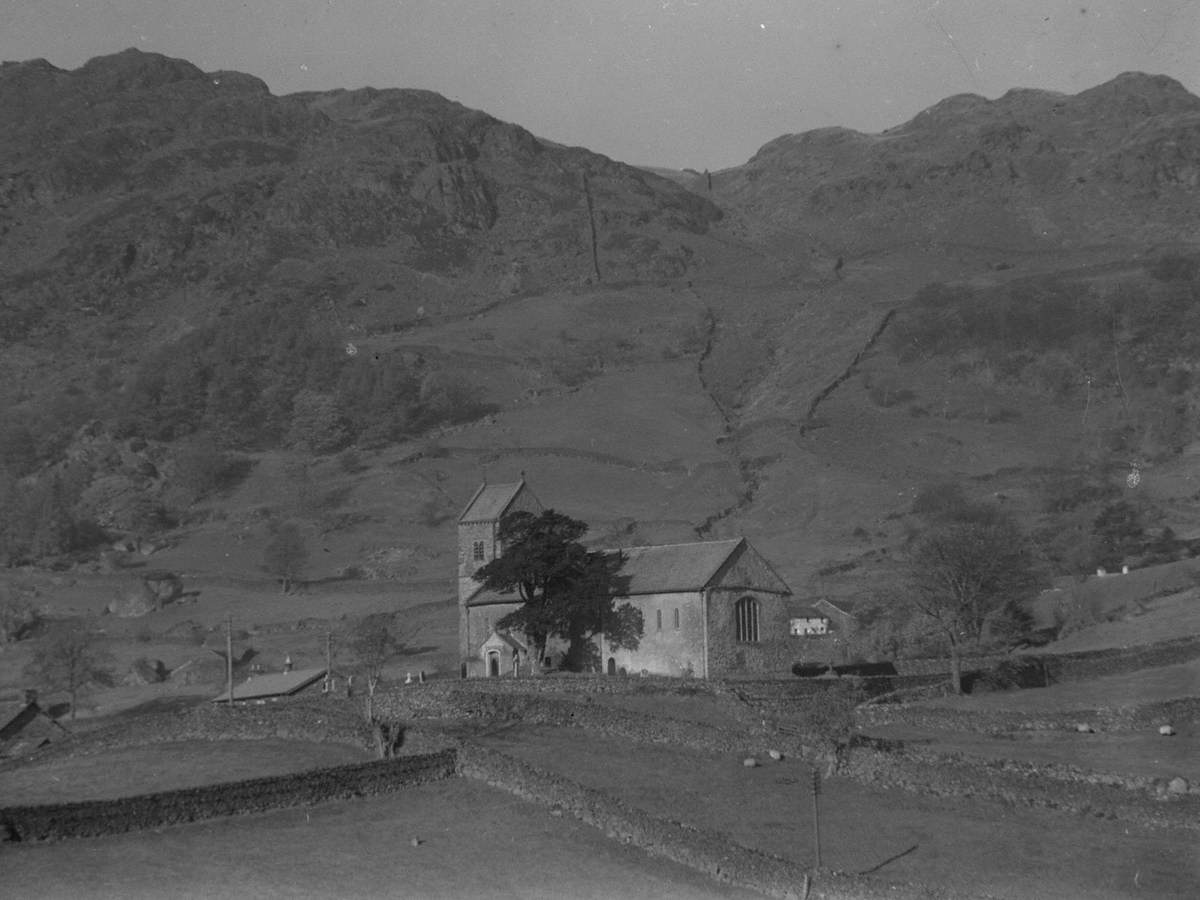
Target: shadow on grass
<point x="890" y="859"/>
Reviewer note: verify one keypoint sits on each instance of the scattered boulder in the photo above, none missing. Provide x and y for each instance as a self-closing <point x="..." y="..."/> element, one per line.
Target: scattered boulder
<point x="1178" y="786"/>
<point x="750" y="762"/>
<point x="134" y="603"/>
<point x="166" y="587"/>
<point x="1084" y="728"/>
<point x="1166" y="730"/>
<point x="775" y="755"/>
<point x="147" y="671"/>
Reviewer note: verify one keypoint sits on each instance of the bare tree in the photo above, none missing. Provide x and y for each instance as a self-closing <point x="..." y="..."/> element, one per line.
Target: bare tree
<point x="69" y="659"/>
<point x="18" y="617"/>
<point x="375" y="641"/>
<point x="965" y="573"/>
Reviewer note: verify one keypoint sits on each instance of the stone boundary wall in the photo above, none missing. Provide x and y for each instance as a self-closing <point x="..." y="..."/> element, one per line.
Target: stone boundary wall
<point x="873" y="762"/>
<point x="1143" y="717"/>
<point x="95" y="818"/>
<point x="1086" y="664"/>
<point x="319" y="720"/>
<point x="1145" y="801"/>
<point x="708" y="852"/>
<point x="415" y="705"/>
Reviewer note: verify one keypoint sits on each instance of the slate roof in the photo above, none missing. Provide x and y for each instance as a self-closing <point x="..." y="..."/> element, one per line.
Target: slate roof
<point x="490" y="502"/>
<point x="667" y="568"/>
<point x="660" y="569"/>
<point x="508" y="639"/>
<point x="24" y="727"/>
<point x="276" y="684"/>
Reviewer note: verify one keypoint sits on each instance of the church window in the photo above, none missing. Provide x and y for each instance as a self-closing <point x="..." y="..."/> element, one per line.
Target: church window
<point x="677" y="618"/>
<point x="659" y="615"/>
<point x="746" y="619"/>
<point x="477" y="551"/>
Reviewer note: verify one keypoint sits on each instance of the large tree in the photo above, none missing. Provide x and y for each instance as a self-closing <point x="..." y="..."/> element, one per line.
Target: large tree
<point x="964" y="575"/>
<point x="567" y="591"/>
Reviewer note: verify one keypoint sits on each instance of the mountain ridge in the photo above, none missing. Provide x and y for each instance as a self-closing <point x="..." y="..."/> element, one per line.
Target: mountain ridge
<point x="388" y="273"/>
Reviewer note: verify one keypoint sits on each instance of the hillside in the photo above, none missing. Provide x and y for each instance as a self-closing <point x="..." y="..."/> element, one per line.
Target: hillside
<point x="222" y="310"/>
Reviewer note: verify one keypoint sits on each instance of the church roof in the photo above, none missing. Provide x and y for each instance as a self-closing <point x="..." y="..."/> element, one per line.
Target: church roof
<point x="671" y="568"/>
<point x="675" y="567"/>
<point x="490" y="502"/>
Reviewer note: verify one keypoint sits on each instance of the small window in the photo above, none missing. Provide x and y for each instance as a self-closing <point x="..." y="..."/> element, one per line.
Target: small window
<point x="677" y="618"/>
<point x="659" y="616"/>
<point x="477" y="551"/>
<point x="745" y="613"/>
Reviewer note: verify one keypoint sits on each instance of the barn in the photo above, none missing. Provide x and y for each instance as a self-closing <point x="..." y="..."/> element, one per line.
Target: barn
<point x="710" y="608"/>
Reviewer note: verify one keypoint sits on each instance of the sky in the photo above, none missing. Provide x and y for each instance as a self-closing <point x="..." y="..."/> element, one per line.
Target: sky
<point x="675" y="83"/>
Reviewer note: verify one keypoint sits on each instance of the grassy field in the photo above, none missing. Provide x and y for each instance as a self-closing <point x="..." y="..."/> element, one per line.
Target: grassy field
<point x="972" y="847"/>
<point x="165" y="767"/>
<point x="1131" y="689"/>
<point x="472" y="841"/>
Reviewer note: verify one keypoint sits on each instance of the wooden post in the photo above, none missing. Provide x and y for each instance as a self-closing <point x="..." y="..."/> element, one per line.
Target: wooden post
<point x="816" y="792"/>
<point x="229" y="656"/>
<point x="328" y="660"/>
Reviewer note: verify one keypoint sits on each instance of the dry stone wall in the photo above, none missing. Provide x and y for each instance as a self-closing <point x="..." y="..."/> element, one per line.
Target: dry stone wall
<point x="103" y="817"/>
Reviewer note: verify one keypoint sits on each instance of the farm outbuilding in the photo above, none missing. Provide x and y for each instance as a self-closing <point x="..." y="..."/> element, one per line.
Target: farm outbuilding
<point x="25" y="726"/>
<point x="272" y="686"/>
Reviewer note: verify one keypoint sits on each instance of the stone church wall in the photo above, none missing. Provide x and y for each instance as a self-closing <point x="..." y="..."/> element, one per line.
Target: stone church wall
<point x="665" y="648"/>
<point x="773" y="653"/>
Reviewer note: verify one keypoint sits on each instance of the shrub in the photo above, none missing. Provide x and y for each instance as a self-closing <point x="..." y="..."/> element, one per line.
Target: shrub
<point x="18" y="617"/>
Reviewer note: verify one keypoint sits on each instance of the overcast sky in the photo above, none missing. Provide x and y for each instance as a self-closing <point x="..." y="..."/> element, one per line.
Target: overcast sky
<point x="696" y="83"/>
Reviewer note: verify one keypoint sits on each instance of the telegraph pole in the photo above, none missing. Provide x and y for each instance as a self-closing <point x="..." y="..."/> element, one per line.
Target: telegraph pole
<point x="229" y="656"/>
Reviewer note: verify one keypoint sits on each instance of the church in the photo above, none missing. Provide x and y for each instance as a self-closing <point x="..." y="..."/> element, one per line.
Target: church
<point x="711" y="609"/>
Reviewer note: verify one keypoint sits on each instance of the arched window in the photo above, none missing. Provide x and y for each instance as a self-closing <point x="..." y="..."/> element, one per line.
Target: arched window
<point x="477" y="551"/>
<point x="745" y="616"/>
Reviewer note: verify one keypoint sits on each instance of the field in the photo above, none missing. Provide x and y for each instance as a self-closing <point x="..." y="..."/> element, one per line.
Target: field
<point x="473" y="841"/>
<point x="963" y="846"/>
<point x="164" y="767"/>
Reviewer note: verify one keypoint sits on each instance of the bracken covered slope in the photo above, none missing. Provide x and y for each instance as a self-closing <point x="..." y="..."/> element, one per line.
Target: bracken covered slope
<point x="664" y="360"/>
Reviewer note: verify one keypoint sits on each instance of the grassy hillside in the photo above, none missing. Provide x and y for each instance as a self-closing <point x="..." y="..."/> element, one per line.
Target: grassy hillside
<point x="223" y="311"/>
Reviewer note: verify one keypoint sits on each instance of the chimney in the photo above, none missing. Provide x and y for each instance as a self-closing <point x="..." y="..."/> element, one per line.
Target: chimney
<point x="287" y="663"/>
<point x="30" y="696"/>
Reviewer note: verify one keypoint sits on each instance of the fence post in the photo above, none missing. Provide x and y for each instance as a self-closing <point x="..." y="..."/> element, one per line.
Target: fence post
<point x="816" y="793"/>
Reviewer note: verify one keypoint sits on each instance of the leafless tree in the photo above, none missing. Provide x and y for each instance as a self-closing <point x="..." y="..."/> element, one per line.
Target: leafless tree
<point x="965" y="573"/>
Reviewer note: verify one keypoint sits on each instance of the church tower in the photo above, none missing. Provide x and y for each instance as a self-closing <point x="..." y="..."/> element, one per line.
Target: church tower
<point x="478" y="544"/>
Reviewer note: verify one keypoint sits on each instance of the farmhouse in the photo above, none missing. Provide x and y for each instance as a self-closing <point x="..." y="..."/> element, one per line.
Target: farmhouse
<point x="25" y="726"/>
<point x="710" y="608"/>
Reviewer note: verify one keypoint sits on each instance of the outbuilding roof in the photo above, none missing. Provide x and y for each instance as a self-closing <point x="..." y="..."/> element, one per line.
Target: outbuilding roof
<point x="490" y="502"/>
<point x="276" y="684"/>
<point x="806" y="612"/>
